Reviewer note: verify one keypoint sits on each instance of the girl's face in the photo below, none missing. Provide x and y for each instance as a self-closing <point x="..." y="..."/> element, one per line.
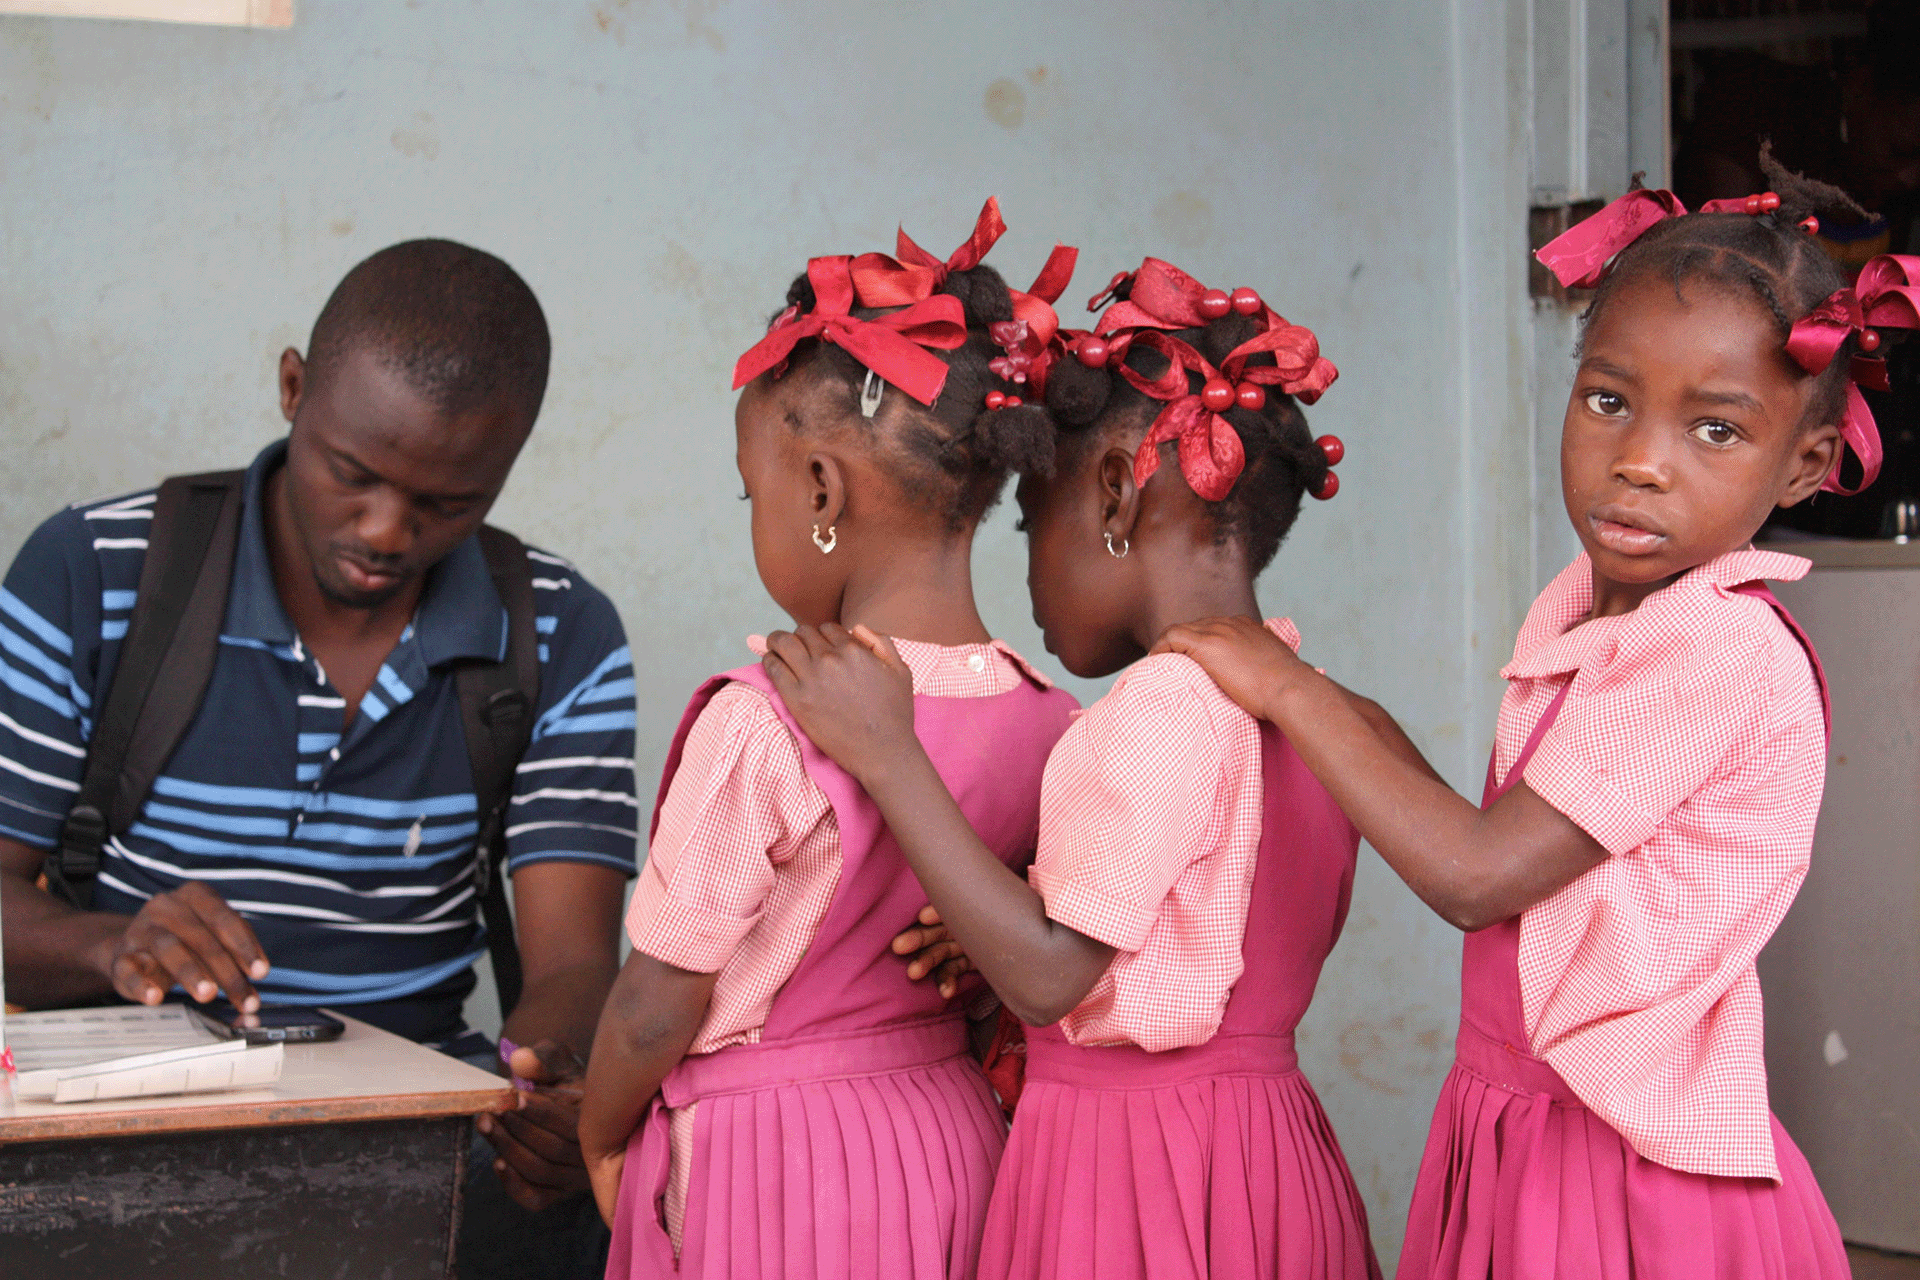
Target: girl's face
<point x="776" y="471"/>
<point x="1083" y="596"/>
<point x="1684" y="429"/>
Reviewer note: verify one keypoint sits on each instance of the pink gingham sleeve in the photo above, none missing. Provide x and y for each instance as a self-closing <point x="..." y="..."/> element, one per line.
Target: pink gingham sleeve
<point x="1654" y="722"/>
<point x="1129" y="803"/>
<point x="740" y="805"/>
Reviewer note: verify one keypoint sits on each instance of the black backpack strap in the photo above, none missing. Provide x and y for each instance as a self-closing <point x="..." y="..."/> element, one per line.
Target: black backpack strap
<point x="497" y="700"/>
<point x="175" y="631"/>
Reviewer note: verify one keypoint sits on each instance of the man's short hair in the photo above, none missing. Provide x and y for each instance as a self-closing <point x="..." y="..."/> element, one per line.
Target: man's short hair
<point x="458" y="323"/>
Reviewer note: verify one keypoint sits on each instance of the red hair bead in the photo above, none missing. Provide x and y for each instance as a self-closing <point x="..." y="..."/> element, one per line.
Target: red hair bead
<point x="1251" y="395"/>
<point x="1091" y="352"/>
<point x="1214" y="303"/>
<point x="1810" y="225"/>
<point x="1217" y="395"/>
<point x="995" y="399"/>
<point x="1765" y="202"/>
<point x="1013" y="402"/>
<point x="1336" y="452"/>
<point x="1246" y="301"/>
<point x="1328" y="487"/>
<point x="1869" y="340"/>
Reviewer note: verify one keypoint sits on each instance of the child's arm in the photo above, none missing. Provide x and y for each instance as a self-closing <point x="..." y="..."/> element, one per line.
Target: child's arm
<point x="1476" y="868"/>
<point x="854" y="697"/>
<point x="652" y="1015"/>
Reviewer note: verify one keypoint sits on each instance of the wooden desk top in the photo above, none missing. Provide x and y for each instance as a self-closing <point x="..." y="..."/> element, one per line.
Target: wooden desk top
<point x="367" y="1074"/>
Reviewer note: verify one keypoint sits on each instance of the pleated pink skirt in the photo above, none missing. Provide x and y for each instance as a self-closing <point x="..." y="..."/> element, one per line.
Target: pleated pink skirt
<point x="1522" y="1182"/>
<point x="1222" y="1175"/>
<point x="877" y="1176"/>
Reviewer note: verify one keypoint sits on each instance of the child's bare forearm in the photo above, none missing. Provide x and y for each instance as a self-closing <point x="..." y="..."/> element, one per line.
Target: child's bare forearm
<point x="1040" y="968"/>
<point x="652" y="1015"/>
<point x="1474" y="867"/>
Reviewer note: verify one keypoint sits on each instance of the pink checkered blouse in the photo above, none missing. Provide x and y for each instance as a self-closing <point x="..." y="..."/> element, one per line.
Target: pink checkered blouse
<point x="1692" y="746"/>
<point x="1150" y="816"/>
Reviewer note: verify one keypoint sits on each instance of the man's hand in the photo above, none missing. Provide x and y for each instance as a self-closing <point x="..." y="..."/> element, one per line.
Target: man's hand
<point x="1249" y="663"/>
<point x="538" y="1146"/>
<point x="192" y="937"/>
<point x="849" y="690"/>
<point x="935" y="951"/>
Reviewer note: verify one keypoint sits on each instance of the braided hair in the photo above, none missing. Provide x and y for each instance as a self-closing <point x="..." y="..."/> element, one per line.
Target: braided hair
<point x="1283" y="462"/>
<point x="1769" y="256"/>
<point x="955" y="455"/>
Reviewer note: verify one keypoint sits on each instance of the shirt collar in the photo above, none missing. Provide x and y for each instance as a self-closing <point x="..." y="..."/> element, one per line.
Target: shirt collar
<point x="1553" y="640"/>
<point x="921" y="656"/>
<point x="459" y="615"/>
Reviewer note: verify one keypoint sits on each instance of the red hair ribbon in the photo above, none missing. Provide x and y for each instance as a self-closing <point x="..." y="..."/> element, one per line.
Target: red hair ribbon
<point x="1886" y="295"/>
<point x="1035" y="329"/>
<point x="913" y="274"/>
<point x="1165" y="298"/>
<point x="1578" y="256"/>
<point x="894" y="345"/>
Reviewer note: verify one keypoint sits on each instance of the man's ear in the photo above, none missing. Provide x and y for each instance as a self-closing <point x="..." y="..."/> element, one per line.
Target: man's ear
<point x="1119" y="496"/>
<point x="827" y="492"/>
<point x="293" y="382"/>
<point x="1813" y="461"/>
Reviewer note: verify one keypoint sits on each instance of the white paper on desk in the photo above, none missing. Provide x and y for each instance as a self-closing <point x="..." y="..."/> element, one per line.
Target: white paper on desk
<point x="128" y="1051"/>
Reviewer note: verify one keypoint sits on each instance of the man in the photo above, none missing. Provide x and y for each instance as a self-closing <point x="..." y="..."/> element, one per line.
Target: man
<point x="311" y="839"/>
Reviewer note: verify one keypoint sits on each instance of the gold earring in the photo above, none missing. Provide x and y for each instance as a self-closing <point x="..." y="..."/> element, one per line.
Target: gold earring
<point x="828" y="543"/>
<point x="1121" y="554"/>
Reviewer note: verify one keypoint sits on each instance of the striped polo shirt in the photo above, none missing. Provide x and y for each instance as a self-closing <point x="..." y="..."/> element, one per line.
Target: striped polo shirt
<point x="351" y="854"/>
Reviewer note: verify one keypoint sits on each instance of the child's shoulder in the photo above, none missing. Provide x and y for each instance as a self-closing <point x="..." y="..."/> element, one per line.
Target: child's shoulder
<point x="1165" y="686"/>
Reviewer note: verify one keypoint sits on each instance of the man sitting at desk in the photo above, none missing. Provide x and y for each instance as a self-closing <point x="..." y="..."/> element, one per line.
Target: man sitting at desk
<point x="311" y="839"/>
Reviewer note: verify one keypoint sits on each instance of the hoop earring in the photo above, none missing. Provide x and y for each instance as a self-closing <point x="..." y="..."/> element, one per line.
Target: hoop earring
<point x="828" y="543"/>
<point x="1125" y="547"/>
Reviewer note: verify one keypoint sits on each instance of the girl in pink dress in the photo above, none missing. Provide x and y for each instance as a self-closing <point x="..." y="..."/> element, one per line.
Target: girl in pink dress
<point x="1191" y="875"/>
<point x="768" y="1094"/>
<point x="1656" y="772"/>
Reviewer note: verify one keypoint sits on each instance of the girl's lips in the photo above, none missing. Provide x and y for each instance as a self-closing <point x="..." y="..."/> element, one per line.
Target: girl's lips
<point x="1626" y="539"/>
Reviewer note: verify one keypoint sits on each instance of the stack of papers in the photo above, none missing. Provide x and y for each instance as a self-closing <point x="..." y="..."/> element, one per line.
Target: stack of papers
<point x="130" y="1051"/>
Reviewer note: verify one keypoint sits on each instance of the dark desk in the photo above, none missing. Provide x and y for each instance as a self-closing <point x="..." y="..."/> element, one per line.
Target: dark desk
<point x="351" y="1166"/>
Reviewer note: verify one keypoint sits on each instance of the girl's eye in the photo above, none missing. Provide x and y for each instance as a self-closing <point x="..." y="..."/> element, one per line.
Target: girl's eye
<point x="1606" y="403"/>
<point x="1720" y="433"/>
<point x="1020" y="525"/>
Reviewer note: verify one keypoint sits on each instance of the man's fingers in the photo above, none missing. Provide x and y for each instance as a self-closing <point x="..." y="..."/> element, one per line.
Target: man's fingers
<point x="523" y="1193"/>
<point x="209" y="954"/>
<point x="556" y="1110"/>
<point x="140" y="978"/>
<point x="557" y="1149"/>
<point x="234" y="933"/>
<point x="547" y="1062"/>
<point x="517" y="1149"/>
<point x="183" y="966"/>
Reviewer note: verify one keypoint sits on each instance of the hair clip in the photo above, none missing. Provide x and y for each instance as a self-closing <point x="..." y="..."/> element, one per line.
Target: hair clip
<point x="870" y="391"/>
<point x="1099" y="299"/>
<point x="1012" y="337"/>
<point x="1001" y="400"/>
<point x="1765" y="202"/>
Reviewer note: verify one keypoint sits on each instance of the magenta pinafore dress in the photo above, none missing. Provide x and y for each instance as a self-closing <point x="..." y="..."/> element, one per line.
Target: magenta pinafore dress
<point x="1520" y="1181"/>
<point x="1214" y="1160"/>
<point x="857" y="1140"/>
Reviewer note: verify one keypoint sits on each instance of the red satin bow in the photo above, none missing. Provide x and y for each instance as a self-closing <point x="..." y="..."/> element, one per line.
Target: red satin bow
<point x="1578" y="256"/>
<point x="1884" y="296"/>
<point x="912" y="273"/>
<point x="1164" y="298"/>
<point x="1043" y="344"/>
<point x="892" y="345"/>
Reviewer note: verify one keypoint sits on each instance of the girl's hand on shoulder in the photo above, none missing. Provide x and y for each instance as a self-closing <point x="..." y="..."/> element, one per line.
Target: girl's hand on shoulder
<point x="849" y="690"/>
<point x="1251" y="665"/>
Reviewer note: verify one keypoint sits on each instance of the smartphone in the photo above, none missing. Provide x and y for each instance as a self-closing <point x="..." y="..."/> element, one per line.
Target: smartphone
<point x="279" y="1024"/>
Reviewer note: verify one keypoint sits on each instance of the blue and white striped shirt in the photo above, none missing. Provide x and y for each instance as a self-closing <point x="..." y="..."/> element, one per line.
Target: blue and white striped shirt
<point x="351" y="855"/>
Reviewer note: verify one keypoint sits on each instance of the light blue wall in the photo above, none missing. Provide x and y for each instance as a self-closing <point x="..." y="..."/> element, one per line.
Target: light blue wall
<point x="178" y="202"/>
